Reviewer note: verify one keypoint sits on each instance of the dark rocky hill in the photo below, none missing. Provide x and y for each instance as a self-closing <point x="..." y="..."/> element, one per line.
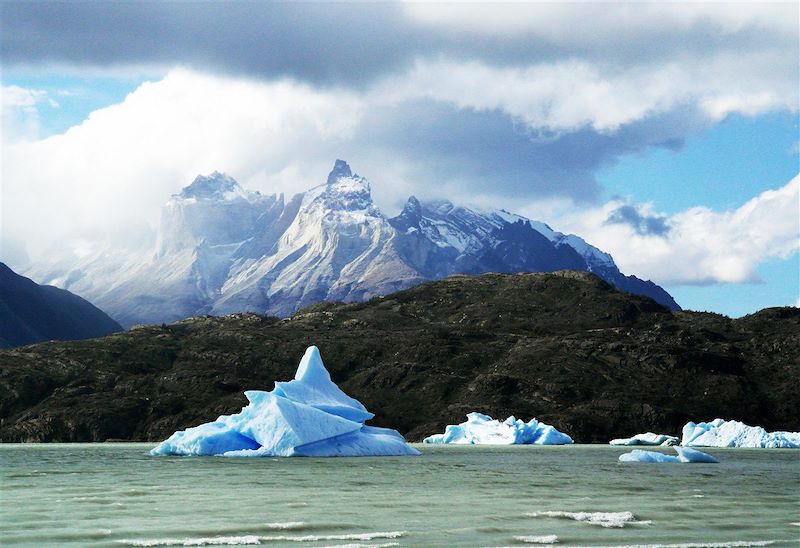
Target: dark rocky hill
<point x="31" y="313"/>
<point x="564" y="347"/>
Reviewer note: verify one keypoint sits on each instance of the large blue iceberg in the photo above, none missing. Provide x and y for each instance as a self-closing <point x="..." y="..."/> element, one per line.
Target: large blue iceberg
<point x="483" y="429"/>
<point x="722" y="433"/>
<point x="685" y="454"/>
<point x="309" y="416"/>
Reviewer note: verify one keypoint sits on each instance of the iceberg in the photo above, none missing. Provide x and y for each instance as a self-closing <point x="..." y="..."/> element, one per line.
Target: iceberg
<point x="646" y="439"/>
<point x="482" y="429"/>
<point x="685" y="454"/>
<point x="722" y="433"/>
<point x="308" y="416"/>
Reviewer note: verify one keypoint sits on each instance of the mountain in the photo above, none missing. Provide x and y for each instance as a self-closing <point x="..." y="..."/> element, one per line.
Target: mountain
<point x="31" y="313"/>
<point x="564" y="347"/>
<point x="222" y="249"/>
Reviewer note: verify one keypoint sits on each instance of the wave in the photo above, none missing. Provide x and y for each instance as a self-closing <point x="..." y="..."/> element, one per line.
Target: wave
<point x="540" y="539"/>
<point x="603" y="519"/>
<point x="255" y="539"/>
<point x="286" y="525"/>
<point x="384" y="545"/>
<point x="730" y="544"/>
<point x="201" y="541"/>
<point x="347" y="536"/>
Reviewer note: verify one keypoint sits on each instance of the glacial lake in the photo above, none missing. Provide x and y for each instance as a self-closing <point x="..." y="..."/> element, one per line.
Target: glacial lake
<point x="117" y="495"/>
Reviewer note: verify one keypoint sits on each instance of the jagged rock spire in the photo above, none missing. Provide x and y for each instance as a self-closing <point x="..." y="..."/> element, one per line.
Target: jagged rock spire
<point x="340" y="169"/>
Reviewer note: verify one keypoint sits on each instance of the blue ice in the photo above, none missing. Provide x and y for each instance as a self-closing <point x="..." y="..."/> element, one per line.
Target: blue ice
<point x="483" y="429"/>
<point x="685" y="454"/>
<point x="648" y="438"/>
<point x="722" y="433"/>
<point x="307" y="416"/>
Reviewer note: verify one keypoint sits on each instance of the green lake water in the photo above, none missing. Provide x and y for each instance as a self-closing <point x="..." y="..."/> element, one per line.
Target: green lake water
<point x="118" y="495"/>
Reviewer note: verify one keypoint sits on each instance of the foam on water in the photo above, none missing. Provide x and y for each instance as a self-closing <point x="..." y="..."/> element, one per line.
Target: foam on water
<point x="384" y="545"/>
<point x="287" y="525"/>
<point x="202" y="541"/>
<point x="347" y="536"/>
<point x="603" y="519"/>
<point x="732" y="544"/>
<point x="540" y="539"/>
<point x="254" y="539"/>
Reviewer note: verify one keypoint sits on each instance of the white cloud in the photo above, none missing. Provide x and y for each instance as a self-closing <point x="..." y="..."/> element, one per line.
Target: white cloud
<point x="125" y="160"/>
<point x="20" y="111"/>
<point x="702" y="246"/>
<point x="571" y="94"/>
<point x="609" y="64"/>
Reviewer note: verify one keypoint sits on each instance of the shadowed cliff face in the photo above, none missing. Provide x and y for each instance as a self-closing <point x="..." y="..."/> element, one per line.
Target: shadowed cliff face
<point x="566" y="348"/>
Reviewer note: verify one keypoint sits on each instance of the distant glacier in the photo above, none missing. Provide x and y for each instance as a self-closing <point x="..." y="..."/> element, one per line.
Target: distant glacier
<point x="221" y="249"/>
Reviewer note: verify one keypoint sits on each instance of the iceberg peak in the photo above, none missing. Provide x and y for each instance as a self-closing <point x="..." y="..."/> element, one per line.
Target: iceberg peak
<point x="311" y="368"/>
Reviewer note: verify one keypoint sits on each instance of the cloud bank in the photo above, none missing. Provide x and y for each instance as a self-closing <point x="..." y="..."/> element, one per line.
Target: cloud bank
<point x="516" y="107"/>
<point x="697" y="246"/>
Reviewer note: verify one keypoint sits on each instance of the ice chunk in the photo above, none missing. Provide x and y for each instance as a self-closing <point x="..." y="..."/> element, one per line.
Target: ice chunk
<point x="648" y="438"/>
<point x="685" y="454"/>
<point x="308" y="416"/>
<point x="483" y="429"/>
<point x="639" y="455"/>
<point x="722" y="433"/>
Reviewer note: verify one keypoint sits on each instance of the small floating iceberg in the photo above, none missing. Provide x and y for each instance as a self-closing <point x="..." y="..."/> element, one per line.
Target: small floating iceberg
<point x="647" y="439"/>
<point x="685" y="454"/>
<point x="483" y="429"/>
<point x="309" y="416"/>
<point x="722" y="433"/>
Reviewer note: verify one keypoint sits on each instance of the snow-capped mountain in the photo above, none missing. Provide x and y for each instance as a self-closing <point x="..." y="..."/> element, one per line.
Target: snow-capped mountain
<point x="222" y="249"/>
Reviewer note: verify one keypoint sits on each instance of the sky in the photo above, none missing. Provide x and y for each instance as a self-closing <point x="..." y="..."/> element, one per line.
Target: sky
<point x="663" y="133"/>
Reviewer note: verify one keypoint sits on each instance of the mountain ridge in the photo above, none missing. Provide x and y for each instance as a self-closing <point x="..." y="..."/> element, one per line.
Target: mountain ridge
<point x="223" y="249"/>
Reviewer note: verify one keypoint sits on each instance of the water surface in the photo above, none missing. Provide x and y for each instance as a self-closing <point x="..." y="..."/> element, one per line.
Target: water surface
<point x="117" y="495"/>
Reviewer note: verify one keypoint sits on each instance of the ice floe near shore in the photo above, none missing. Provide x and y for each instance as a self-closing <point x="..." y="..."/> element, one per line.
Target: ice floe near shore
<point x="648" y="438"/>
<point x="483" y="429"/>
<point x="722" y="433"/>
<point x="685" y="454"/>
<point x="308" y="416"/>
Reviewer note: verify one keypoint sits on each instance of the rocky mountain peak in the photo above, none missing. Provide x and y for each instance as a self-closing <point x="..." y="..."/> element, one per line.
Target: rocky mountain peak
<point x="346" y="190"/>
<point x="340" y="169"/>
<point x="207" y="186"/>
<point x="413" y="205"/>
